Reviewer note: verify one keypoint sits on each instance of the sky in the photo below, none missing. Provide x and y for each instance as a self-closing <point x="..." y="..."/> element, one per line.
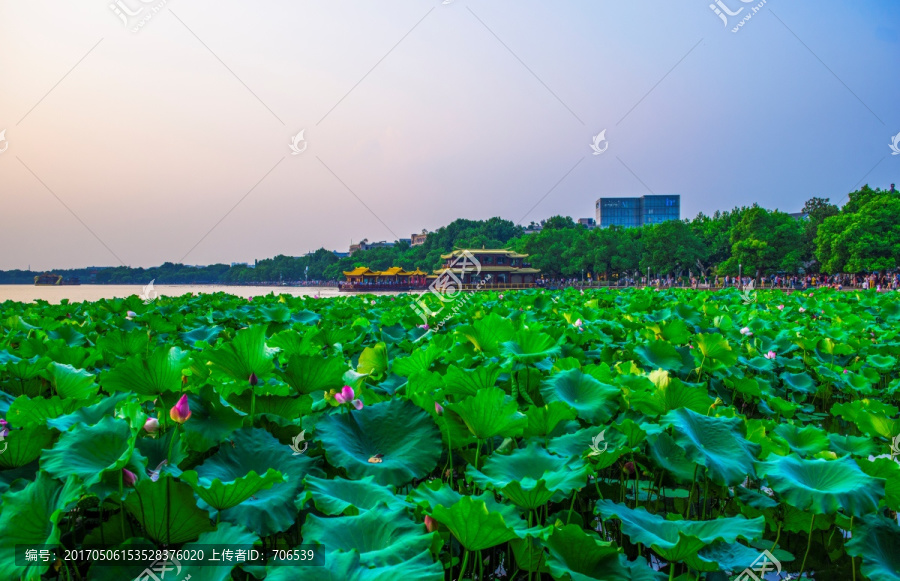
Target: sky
<point x="163" y="133"/>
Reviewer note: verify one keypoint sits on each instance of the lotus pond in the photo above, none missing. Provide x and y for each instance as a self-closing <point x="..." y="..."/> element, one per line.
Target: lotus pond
<point x="611" y="435"/>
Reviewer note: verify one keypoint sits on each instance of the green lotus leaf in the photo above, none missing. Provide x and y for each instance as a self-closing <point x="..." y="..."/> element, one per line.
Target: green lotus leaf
<point x="221" y="494"/>
<point x="382" y="537"/>
<point x="713" y="352"/>
<point x="529" y="345"/>
<point x="851" y="445"/>
<point x="671" y="395"/>
<point x="226" y="536"/>
<point x="91" y="451"/>
<point x="543" y="420"/>
<point x="212" y="419"/>
<point x="581" y="556"/>
<point x="88" y="416"/>
<point x="800" y="382"/>
<point x="672" y="458"/>
<point x="530" y="477"/>
<point x="347" y="567"/>
<point x="339" y="496"/>
<point x="805" y="441"/>
<point x="26" y="412"/>
<point x="245" y="355"/>
<point x="373" y="360"/>
<point x="466" y="382"/>
<point x="122" y="343"/>
<point x="31" y="516"/>
<point x="202" y="334"/>
<point x="659" y="355"/>
<point x="881" y="362"/>
<point x="889" y="470"/>
<point x="310" y="373"/>
<point x="474" y="525"/>
<point x="167" y="510"/>
<point x="21" y="447"/>
<point x="352" y="439"/>
<point x="737" y="557"/>
<point x="490" y="413"/>
<point x="877" y="542"/>
<point x="488" y="334"/>
<point x="594" y="401"/>
<point x="822" y="486"/>
<point x="71" y="383"/>
<point x="714" y="442"/>
<point x="269" y="510"/>
<point x="148" y="376"/>
<point x="679" y="540"/>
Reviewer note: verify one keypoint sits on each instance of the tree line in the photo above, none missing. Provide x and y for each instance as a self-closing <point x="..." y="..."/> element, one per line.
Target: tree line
<point x="861" y="236"/>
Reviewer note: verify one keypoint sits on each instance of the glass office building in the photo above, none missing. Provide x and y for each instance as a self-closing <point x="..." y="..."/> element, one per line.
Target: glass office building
<point x="634" y="212"/>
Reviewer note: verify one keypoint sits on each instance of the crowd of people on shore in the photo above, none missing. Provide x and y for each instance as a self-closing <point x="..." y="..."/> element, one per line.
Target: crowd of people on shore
<point x="877" y="281"/>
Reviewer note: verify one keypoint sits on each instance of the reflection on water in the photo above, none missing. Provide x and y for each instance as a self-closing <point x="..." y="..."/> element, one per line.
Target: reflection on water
<point x="93" y="292"/>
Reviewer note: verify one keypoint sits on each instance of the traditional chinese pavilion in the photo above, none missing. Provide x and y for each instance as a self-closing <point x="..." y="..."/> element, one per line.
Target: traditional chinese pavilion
<point x="394" y="278"/>
<point x="506" y="268"/>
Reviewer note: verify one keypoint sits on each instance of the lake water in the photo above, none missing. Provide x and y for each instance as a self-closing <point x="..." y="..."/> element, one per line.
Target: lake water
<point x="92" y="292"/>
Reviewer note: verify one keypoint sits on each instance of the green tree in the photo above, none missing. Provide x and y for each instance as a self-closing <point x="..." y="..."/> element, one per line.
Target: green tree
<point x="864" y="239"/>
<point x="765" y="242"/>
<point x="671" y="247"/>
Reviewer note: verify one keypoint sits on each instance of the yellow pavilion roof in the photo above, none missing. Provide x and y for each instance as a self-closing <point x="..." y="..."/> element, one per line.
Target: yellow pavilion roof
<point x="360" y="271"/>
<point x="509" y="253"/>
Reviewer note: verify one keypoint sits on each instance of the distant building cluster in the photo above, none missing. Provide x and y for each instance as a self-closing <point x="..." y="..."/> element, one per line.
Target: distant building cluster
<point x="636" y="212"/>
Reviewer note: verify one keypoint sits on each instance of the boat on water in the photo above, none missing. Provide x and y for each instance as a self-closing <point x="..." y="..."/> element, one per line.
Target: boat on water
<point x="49" y="279"/>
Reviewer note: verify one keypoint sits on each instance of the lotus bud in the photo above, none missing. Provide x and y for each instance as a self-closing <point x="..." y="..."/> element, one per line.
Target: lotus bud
<point x="438" y="408"/>
<point x="578" y="323"/>
<point x="430" y="524"/>
<point x="181" y="411"/>
<point x="845" y="371"/>
<point x="128" y="477"/>
<point x="254" y="381"/>
<point x="4" y="428"/>
<point x="184" y="381"/>
<point x="501" y="297"/>
<point x="802" y="310"/>
<point x="746" y="331"/>
<point x="151" y="426"/>
<point x="346" y="395"/>
<point x="770" y="355"/>
<point x="628" y="468"/>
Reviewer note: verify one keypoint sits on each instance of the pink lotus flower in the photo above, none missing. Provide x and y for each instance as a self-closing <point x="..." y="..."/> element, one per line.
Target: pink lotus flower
<point x="430" y="524"/>
<point x="746" y="331"/>
<point x="802" y="310"/>
<point x="130" y="315"/>
<point x="770" y="355"/>
<point x="578" y="323"/>
<point x="438" y="408"/>
<point x="845" y="371"/>
<point x="128" y="477"/>
<point x="780" y="307"/>
<point x="690" y="346"/>
<point x="151" y="426"/>
<point x="501" y="297"/>
<point x="250" y="299"/>
<point x="347" y="395"/>
<point x="181" y="411"/>
<point x="4" y="428"/>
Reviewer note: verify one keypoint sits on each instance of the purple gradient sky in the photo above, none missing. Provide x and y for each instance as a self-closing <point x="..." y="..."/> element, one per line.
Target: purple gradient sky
<point x="482" y="107"/>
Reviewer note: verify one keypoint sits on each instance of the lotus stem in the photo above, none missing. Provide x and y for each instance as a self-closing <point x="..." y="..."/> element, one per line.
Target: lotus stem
<point x="122" y="502"/>
<point x="571" y="506"/>
<point x="691" y="494"/>
<point x="812" y="521"/>
<point x="462" y="571"/>
<point x="171" y="443"/>
<point x="252" y="406"/>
